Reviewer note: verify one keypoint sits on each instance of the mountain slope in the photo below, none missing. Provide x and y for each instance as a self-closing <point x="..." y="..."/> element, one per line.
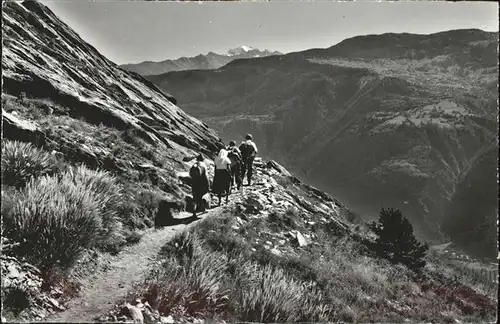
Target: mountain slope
<point x="377" y="120"/>
<point x="43" y="58"/>
<point x="200" y="62"/>
<point x="286" y="252"/>
<point x="60" y="94"/>
<point x="473" y="209"/>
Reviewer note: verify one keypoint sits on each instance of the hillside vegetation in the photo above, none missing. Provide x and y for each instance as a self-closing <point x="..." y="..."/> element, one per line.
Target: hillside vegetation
<point x="286" y="253"/>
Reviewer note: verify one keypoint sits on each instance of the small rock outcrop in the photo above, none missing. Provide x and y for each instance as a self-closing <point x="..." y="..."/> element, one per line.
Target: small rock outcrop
<point x="273" y="164"/>
<point x="22" y="292"/>
<point x="19" y="129"/>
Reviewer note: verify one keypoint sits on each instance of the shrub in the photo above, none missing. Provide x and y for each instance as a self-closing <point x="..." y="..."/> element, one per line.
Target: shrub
<point x="10" y="196"/>
<point x="56" y="217"/>
<point x="267" y="294"/>
<point x="107" y="194"/>
<point x="54" y="221"/>
<point x="138" y="207"/>
<point x="283" y="220"/>
<point x="190" y="281"/>
<point x="396" y="241"/>
<point x="23" y="161"/>
<point x="259" y="289"/>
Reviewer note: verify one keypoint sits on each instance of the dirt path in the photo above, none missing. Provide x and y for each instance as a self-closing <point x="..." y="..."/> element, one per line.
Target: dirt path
<point x="103" y="291"/>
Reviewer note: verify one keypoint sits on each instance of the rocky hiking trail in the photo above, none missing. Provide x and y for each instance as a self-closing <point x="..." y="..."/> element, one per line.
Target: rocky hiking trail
<point x="103" y="290"/>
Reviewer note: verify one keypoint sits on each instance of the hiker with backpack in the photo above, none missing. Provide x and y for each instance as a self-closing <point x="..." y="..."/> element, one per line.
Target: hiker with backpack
<point x="248" y="152"/>
<point x="222" y="177"/>
<point x="236" y="163"/>
<point x="200" y="185"/>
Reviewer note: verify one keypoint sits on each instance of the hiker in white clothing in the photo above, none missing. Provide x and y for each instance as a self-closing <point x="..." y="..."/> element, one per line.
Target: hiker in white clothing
<point x="222" y="177"/>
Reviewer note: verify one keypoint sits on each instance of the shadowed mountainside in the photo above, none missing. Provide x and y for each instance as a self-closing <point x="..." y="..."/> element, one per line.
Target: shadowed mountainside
<point x="377" y="120"/>
<point x="200" y="62"/>
<point x="49" y="66"/>
<point x="473" y="209"/>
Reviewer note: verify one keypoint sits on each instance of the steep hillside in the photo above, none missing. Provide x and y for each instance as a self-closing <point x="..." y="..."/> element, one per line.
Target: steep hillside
<point x="286" y="252"/>
<point x="377" y="120"/>
<point x="472" y="213"/>
<point x="48" y="66"/>
<point x="200" y="62"/>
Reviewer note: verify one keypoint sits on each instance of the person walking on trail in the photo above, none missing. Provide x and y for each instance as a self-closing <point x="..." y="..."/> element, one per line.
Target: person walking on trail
<point x="222" y="177"/>
<point x="236" y="163"/>
<point x="248" y="152"/>
<point x="200" y="185"/>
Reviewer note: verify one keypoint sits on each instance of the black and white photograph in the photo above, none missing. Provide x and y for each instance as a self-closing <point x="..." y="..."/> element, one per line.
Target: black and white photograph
<point x="249" y="161"/>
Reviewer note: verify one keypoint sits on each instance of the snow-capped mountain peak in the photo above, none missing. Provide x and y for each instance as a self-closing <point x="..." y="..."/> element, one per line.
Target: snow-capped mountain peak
<point x="240" y="50"/>
<point x="246" y="48"/>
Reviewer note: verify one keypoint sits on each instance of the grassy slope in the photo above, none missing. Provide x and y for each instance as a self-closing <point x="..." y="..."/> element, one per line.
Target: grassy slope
<point x="245" y="265"/>
<point x="144" y="170"/>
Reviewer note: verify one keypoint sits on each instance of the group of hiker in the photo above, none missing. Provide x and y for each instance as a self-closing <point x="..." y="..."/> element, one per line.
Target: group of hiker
<point x="232" y="164"/>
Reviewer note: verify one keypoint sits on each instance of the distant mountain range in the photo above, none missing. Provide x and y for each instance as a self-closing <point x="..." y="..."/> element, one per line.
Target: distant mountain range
<point x="377" y="120"/>
<point x="200" y="62"/>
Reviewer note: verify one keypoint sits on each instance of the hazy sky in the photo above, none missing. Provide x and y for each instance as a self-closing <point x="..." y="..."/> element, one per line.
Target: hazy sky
<point x="135" y="31"/>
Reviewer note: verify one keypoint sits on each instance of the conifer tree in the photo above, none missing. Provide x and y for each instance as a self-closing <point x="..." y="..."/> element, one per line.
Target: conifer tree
<point x="396" y="241"/>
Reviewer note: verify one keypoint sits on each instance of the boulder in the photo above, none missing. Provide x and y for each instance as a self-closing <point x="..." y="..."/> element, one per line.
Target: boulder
<point x="19" y="129"/>
<point x="258" y="162"/>
<point x="167" y="319"/>
<point x="276" y="252"/>
<point x="150" y="315"/>
<point x="254" y="203"/>
<point x="207" y="203"/>
<point x="135" y="313"/>
<point x="300" y="239"/>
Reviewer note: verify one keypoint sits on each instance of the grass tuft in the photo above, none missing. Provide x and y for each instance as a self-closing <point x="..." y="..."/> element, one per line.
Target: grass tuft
<point x="23" y="161"/>
<point x="55" y="218"/>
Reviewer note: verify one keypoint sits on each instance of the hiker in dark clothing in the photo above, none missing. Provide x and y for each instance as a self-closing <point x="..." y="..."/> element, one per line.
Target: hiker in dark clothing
<point x="222" y="177"/>
<point x="234" y="156"/>
<point x="248" y="152"/>
<point x="200" y="185"/>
